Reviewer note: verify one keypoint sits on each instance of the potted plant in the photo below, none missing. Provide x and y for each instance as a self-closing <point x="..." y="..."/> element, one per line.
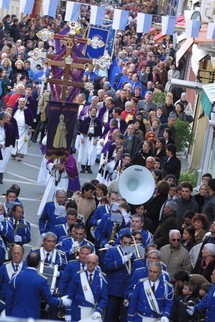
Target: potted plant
<point x="184" y="136"/>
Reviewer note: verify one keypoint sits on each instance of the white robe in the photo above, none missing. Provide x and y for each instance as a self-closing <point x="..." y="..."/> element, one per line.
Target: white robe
<point x="5" y="151"/>
<point x="51" y="188"/>
<point x="21" y="145"/>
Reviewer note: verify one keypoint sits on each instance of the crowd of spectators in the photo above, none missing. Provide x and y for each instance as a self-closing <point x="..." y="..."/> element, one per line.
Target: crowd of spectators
<point x="135" y="131"/>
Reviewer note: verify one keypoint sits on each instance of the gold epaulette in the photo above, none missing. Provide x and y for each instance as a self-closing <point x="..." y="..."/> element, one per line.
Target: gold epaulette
<point x="143" y="279"/>
<point x="42" y="276"/>
<point x="168" y="283"/>
<point x="59" y="251"/>
<point x="35" y="248"/>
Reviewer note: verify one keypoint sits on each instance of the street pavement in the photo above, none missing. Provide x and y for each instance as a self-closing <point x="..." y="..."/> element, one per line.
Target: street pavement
<point x="24" y="173"/>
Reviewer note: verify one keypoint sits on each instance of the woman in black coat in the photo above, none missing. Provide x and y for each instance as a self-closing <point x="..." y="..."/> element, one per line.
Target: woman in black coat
<point x="173" y="164"/>
<point x="154" y="205"/>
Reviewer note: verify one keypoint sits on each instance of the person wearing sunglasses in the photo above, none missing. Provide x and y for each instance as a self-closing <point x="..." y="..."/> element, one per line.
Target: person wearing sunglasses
<point x="174" y="255"/>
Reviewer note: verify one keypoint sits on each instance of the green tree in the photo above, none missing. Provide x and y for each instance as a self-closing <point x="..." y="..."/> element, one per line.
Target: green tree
<point x="184" y="136"/>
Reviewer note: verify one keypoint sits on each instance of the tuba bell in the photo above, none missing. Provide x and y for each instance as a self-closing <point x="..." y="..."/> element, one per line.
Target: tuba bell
<point x="136" y="184"/>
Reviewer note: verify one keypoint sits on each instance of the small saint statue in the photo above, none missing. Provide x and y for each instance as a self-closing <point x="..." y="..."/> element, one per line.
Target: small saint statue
<point x="60" y="135"/>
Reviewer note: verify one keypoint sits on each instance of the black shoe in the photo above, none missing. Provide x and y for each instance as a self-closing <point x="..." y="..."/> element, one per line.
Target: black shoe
<point x="88" y="169"/>
<point x="82" y="169"/>
<point x="1" y="178"/>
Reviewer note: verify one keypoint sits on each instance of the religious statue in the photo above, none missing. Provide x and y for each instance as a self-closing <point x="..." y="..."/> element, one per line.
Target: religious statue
<point x="60" y="135"/>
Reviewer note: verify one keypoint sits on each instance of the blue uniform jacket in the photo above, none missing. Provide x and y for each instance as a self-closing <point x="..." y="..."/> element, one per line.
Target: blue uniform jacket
<point x="98" y="214"/>
<point x="117" y="274"/>
<point x="67" y="243"/>
<point x="71" y="269"/>
<point x="25" y="293"/>
<point x="7" y="270"/>
<point x="6" y="236"/>
<point x="60" y="231"/>
<point x="139" y="302"/>
<point x="104" y="230"/>
<point x="207" y="305"/>
<point x="147" y="238"/>
<point x="138" y="274"/>
<point x="60" y="259"/>
<point x="24" y="233"/>
<point x="48" y="218"/>
<point x="76" y="294"/>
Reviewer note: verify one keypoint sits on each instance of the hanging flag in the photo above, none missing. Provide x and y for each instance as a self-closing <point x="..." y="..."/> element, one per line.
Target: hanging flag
<point x="144" y="22"/>
<point x="5" y="4"/>
<point x="97" y="15"/>
<point x="120" y="19"/>
<point x="168" y="25"/>
<point x="72" y="11"/>
<point x="26" y="6"/>
<point x="50" y="7"/>
<point x="192" y="28"/>
<point x="97" y="41"/>
<point x="211" y="31"/>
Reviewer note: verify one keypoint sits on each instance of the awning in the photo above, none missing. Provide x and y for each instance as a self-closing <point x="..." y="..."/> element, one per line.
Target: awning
<point x="208" y="98"/>
<point x="183" y="49"/>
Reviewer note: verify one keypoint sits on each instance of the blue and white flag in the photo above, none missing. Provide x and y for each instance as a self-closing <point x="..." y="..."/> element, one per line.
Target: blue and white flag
<point x="5" y="4"/>
<point x="168" y="25"/>
<point x="120" y="19"/>
<point x="97" y="15"/>
<point x="26" y="6"/>
<point x="72" y="11"/>
<point x="192" y="28"/>
<point x="144" y="22"/>
<point x="211" y="31"/>
<point x="50" y="7"/>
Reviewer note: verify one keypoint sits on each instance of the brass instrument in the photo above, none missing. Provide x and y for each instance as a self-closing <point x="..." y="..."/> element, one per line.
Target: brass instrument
<point x="136" y="248"/>
<point x="113" y="233"/>
<point x="77" y="251"/>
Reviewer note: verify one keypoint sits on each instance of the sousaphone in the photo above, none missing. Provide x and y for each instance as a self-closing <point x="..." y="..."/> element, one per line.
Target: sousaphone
<point x="136" y="184"/>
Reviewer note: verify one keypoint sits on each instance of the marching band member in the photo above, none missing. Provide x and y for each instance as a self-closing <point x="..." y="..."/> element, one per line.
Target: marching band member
<point x="71" y="246"/>
<point x="88" y="292"/>
<point x="22" y="228"/>
<point x="117" y="266"/>
<point x="152" y="298"/>
<point x="49" y="254"/>
<point x="143" y="271"/>
<point x="73" y="267"/>
<point x="8" y="269"/>
<point x="63" y="230"/>
<point x="6" y="235"/>
<point x="52" y="210"/>
<point x="137" y="223"/>
<point x="27" y="289"/>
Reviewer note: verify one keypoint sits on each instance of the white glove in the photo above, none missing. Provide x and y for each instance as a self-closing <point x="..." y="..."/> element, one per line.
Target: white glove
<point x="96" y="315"/>
<point x="190" y="310"/>
<point x="1" y="218"/>
<point x="1" y="226"/>
<point x="125" y="215"/>
<point x="164" y="319"/>
<point x="66" y="301"/>
<point x="68" y="318"/>
<point x="107" y="246"/>
<point x="75" y="246"/>
<point x="58" y="273"/>
<point x="126" y="257"/>
<point x="17" y="239"/>
<point x="98" y="221"/>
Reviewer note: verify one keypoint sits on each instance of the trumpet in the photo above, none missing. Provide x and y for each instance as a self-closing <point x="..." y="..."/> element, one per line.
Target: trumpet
<point x="77" y="250"/>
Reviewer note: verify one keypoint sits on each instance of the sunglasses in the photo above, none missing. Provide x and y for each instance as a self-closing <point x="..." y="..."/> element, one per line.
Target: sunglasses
<point x="174" y="239"/>
<point x="138" y="238"/>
